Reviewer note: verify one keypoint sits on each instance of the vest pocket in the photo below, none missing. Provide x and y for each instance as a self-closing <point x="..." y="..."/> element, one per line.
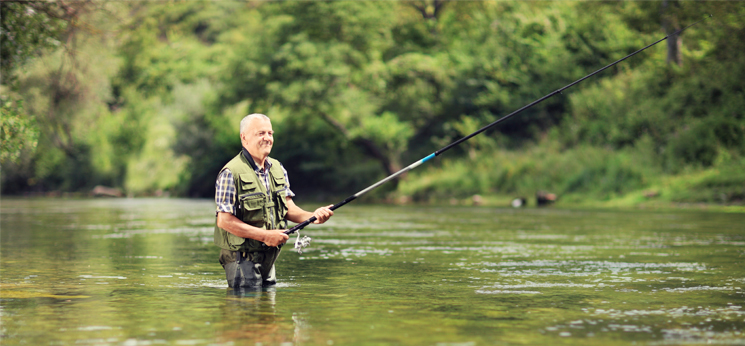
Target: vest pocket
<point x="279" y="180"/>
<point x="253" y="209"/>
<point x="247" y="182"/>
<point x="233" y="240"/>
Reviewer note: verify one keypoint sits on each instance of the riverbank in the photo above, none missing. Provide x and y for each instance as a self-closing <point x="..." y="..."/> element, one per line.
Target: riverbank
<point x="632" y="201"/>
<point x="580" y="177"/>
<point x="583" y="177"/>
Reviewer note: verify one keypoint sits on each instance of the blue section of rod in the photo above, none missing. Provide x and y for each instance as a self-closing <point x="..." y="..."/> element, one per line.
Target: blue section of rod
<point x="428" y="157"/>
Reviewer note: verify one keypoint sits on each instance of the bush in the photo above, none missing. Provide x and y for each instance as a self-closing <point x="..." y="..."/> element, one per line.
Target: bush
<point x="700" y="143"/>
<point x="725" y="184"/>
<point x="593" y="172"/>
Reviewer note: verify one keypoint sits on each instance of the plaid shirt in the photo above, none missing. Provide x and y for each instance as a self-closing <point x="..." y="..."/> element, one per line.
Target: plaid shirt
<point x="225" y="188"/>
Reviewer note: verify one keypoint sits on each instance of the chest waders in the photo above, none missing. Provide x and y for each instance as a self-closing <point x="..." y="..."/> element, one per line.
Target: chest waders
<point x="249" y="262"/>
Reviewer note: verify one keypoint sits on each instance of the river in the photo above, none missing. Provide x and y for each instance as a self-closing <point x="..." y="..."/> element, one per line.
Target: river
<point x="144" y="272"/>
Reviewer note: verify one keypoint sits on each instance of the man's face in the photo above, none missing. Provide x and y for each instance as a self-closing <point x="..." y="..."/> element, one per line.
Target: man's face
<point x="258" y="137"/>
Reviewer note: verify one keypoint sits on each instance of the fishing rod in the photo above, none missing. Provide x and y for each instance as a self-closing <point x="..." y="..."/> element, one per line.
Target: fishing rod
<point x="306" y="240"/>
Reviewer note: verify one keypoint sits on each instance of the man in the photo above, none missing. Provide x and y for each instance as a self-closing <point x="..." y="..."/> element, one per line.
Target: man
<point x="254" y="202"/>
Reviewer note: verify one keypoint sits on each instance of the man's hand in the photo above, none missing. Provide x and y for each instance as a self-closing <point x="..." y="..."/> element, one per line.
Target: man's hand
<point x="322" y="214"/>
<point x="298" y="215"/>
<point x="275" y="237"/>
<point x="232" y="224"/>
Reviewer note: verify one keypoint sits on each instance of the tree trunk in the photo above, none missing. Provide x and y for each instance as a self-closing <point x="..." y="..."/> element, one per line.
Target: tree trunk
<point x="390" y="165"/>
<point x="671" y="26"/>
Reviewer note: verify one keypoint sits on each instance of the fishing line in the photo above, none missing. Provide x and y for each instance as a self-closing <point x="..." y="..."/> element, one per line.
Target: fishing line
<point x="453" y="144"/>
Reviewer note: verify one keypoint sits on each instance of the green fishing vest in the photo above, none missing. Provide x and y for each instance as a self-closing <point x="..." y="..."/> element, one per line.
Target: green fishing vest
<point x="254" y="205"/>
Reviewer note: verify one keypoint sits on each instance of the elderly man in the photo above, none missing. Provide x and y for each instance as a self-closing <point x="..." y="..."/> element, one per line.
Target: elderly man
<point x="254" y="202"/>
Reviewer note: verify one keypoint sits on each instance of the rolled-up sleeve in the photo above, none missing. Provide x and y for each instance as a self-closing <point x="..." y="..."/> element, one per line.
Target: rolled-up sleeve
<point x="225" y="193"/>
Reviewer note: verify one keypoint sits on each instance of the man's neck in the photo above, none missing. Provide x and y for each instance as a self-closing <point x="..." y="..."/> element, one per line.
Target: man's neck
<point x="253" y="160"/>
<point x="259" y="162"/>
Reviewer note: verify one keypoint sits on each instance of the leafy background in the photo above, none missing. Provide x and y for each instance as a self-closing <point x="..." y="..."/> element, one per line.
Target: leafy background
<point x="146" y="97"/>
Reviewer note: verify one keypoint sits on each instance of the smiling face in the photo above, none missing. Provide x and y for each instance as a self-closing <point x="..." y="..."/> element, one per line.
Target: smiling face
<point x="258" y="138"/>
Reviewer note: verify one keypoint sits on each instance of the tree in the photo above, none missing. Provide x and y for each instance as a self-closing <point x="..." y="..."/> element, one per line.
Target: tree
<point x="671" y="25"/>
<point x="43" y="73"/>
<point x="26" y="30"/>
<point x="19" y="133"/>
<point x="688" y="114"/>
<point x="322" y="60"/>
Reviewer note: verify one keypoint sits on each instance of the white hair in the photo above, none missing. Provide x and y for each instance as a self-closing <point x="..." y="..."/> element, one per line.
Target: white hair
<point x="247" y="119"/>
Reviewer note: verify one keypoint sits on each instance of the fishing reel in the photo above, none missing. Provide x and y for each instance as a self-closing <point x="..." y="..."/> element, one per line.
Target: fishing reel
<point x="301" y="243"/>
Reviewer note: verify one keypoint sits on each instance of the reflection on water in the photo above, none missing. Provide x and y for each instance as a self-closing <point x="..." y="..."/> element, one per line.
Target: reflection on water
<point x="144" y="272"/>
<point x="254" y="317"/>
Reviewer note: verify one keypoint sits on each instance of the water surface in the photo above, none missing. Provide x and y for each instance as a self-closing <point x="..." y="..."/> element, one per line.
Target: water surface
<point x="145" y="272"/>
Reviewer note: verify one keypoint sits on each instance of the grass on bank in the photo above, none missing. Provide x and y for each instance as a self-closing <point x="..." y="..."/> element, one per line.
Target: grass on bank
<point x="583" y="176"/>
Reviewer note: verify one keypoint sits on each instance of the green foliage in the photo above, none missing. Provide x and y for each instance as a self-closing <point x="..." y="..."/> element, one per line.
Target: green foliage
<point x="19" y="133"/>
<point x="358" y="89"/>
<point x="723" y="185"/>
<point x="66" y="99"/>
<point x="693" y="113"/>
<point x="701" y="142"/>
<point x="26" y="30"/>
<point x="585" y="171"/>
<point x="319" y="63"/>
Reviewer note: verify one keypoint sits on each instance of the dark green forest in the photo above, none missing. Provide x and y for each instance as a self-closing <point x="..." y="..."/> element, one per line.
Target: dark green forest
<point x="146" y="97"/>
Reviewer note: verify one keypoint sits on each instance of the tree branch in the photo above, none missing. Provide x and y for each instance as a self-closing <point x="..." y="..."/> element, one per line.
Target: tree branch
<point x="369" y="147"/>
<point x="422" y="9"/>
